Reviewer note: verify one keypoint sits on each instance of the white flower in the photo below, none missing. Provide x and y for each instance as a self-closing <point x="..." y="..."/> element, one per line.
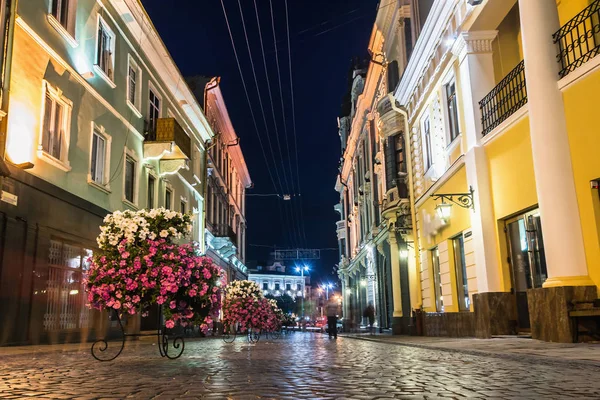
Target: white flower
<point x="164" y="233"/>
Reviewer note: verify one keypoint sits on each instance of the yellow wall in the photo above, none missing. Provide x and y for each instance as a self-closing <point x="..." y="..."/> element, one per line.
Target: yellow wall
<point x="581" y="109"/>
<point x="512" y="182"/>
<point x="567" y="9"/>
<point x="460" y="221"/>
<point x="507" y="47"/>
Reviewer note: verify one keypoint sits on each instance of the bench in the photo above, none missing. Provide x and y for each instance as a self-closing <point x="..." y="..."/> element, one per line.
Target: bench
<point x="584" y="309"/>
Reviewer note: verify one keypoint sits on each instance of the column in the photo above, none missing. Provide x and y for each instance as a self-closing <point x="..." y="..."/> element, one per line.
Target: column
<point x="474" y="52"/>
<point x="555" y="185"/>
<point x="395" y="261"/>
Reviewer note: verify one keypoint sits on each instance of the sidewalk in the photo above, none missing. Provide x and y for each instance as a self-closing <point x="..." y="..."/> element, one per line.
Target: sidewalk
<point x="505" y="347"/>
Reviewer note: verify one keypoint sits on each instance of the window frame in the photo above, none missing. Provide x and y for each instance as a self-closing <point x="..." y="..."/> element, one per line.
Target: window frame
<point x="157" y="95"/>
<point x="437" y="279"/>
<point x="98" y="130"/>
<point x="68" y="32"/>
<point x="136" y="105"/>
<point x="464" y="302"/>
<point x="452" y="122"/>
<point x="168" y="189"/>
<point x="57" y="96"/>
<point x="427" y="146"/>
<point x="151" y="175"/>
<point x="130" y="154"/>
<point x="104" y="75"/>
<point x="183" y="205"/>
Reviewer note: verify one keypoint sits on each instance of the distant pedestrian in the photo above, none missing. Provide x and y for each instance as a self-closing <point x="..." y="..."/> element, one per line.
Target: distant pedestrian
<point x="332" y="313"/>
<point x="370" y="315"/>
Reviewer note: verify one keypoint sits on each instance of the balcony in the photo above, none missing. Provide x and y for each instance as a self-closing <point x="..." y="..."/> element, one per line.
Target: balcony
<point x="224" y="231"/>
<point x="504" y="100"/>
<point x="167" y="141"/>
<point x="579" y="39"/>
<point x="222" y="239"/>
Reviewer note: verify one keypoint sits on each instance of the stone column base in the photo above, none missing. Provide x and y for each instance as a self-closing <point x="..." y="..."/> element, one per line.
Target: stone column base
<point x="549" y="311"/>
<point x="401" y="325"/>
<point x="495" y="314"/>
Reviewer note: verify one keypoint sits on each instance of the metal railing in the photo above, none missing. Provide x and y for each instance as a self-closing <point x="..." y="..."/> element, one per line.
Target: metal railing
<point x="504" y="100"/>
<point x="224" y="230"/>
<point x="579" y="39"/>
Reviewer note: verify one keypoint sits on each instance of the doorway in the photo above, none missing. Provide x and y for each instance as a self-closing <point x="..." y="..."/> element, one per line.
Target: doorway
<point x="527" y="260"/>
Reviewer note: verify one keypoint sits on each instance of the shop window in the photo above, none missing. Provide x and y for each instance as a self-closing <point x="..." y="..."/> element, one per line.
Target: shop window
<point x="66" y="297"/>
<point x="460" y="265"/>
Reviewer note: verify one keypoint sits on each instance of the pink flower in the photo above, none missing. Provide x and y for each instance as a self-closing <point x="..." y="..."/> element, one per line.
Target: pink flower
<point x="117" y="305"/>
<point x="172" y="304"/>
<point x="169" y="324"/>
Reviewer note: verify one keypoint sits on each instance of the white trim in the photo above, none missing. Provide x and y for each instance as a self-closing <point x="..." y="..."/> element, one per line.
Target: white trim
<point x="152" y="87"/>
<point x="450" y="172"/>
<point x="103" y="75"/>
<point x="505" y="125"/>
<point x="128" y="153"/>
<point x="136" y="108"/>
<point x="77" y="76"/>
<point x="102" y="24"/>
<point x="67" y="106"/>
<point x="105" y="185"/>
<point x="62" y="30"/>
<point x="579" y="73"/>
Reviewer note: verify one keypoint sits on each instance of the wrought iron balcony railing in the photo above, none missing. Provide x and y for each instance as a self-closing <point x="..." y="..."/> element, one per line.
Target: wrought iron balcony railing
<point x="503" y="100"/>
<point x="579" y="39"/>
<point x="168" y="131"/>
<point x="224" y="230"/>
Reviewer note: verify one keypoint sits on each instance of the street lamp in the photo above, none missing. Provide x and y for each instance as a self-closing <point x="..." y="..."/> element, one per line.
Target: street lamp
<point x="327" y="287"/>
<point x="301" y="270"/>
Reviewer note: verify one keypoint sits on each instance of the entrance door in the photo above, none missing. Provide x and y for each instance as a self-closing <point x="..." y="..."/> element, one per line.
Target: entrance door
<point x="527" y="260"/>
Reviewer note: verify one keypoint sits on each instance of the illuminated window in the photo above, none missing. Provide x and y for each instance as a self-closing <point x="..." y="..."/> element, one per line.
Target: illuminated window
<point x="134" y="75"/>
<point x="64" y="12"/>
<point x="437" y="280"/>
<point x="452" y="108"/>
<point x="461" y="273"/>
<point x="105" y="50"/>
<point x="99" y="157"/>
<point x="56" y="125"/>
<point x="154" y="104"/>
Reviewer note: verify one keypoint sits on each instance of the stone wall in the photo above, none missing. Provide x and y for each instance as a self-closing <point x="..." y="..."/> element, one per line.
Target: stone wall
<point x="451" y="324"/>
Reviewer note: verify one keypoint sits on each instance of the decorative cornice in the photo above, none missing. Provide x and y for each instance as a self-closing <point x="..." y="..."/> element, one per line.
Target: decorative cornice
<point x="473" y="43"/>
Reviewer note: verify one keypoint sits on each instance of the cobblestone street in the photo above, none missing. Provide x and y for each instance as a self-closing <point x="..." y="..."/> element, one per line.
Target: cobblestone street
<point x="299" y="366"/>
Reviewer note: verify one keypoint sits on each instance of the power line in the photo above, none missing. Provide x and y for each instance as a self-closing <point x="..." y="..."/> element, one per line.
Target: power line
<point x="259" y="94"/>
<point x="287" y="22"/>
<point x="294" y="222"/>
<point x="237" y="59"/>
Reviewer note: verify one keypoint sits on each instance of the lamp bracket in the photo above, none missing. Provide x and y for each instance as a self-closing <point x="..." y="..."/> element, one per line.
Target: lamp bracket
<point x="464" y="200"/>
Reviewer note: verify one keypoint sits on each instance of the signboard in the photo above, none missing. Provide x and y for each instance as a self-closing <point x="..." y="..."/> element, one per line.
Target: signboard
<point x="9" y="198"/>
<point x="298" y="254"/>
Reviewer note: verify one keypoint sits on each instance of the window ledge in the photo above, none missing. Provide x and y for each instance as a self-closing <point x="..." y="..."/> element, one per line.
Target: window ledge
<point x="100" y="187"/>
<point x="130" y="204"/>
<point x="103" y="75"/>
<point x="450" y="148"/>
<point x="65" y="166"/>
<point x="134" y="109"/>
<point x="62" y="31"/>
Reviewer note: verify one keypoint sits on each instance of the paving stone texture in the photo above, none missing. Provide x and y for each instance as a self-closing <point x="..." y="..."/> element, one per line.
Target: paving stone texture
<point x="297" y="366"/>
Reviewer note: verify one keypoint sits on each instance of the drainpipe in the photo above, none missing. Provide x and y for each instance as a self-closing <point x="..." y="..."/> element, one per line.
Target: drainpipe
<point x="402" y="110"/>
<point x="9" y="30"/>
<point x="213" y="84"/>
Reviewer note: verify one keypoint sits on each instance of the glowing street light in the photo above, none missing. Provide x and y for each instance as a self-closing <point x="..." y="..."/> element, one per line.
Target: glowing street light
<point x="302" y="270"/>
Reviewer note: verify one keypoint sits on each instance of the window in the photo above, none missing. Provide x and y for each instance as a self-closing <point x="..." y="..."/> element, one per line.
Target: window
<point x="134" y="75"/>
<point x="129" y="189"/>
<point x="437" y="280"/>
<point x="452" y="110"/>
<point x="183" y="206"/>
<point x="105" y="50"/>
<point x="97" y="168"/>
<point x="461" y="273"/>
<point x="168" y="197"/>
<point x="151" y="189"/>
<point x="153" y="113"/>
<point x="427" y="144"/>
<point x="62" y="18"/>
<point x="196" y="161"/>
<point x="277" y="286"/>
<point x="265" y="286"/>
<point x="288" y="286"/>
<point x="56" y="124"/>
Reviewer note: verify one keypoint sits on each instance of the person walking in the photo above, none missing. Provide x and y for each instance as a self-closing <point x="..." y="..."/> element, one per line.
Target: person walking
<point x="332" y="313"/>
<point x="370" y="315"/>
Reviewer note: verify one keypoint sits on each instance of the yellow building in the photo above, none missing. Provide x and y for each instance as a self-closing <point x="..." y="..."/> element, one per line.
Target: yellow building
<point x="506" y="138"/>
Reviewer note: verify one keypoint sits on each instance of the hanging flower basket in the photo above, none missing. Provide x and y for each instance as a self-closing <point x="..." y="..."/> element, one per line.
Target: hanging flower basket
<point x="140" y="264"/>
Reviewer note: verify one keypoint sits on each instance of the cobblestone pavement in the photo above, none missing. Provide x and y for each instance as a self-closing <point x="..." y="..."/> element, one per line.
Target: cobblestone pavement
<point x="299" y="366"/>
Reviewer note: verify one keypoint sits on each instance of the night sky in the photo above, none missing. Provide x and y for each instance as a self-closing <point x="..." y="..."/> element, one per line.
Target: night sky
<point x="324" y="35"/>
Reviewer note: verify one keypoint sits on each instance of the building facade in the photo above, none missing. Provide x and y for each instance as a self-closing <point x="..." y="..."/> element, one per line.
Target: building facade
<point x="274" y="280"/>
<point x="494" y="110"/>
<point x="100" y="121"/>
<point x="228" y="179"/>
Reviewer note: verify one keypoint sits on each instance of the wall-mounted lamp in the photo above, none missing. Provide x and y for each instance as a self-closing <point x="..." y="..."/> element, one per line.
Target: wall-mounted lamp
<point x="25" y="165"/>
<point x="464" y="200"/>
<point x="363" y="282"/>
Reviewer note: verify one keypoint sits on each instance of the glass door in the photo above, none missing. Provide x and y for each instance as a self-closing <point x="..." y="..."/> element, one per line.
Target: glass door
<point x="527" y="259"/>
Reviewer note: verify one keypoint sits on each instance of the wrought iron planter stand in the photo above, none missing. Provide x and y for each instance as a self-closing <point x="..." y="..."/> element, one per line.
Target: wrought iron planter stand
<point x="178" y="344"/>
